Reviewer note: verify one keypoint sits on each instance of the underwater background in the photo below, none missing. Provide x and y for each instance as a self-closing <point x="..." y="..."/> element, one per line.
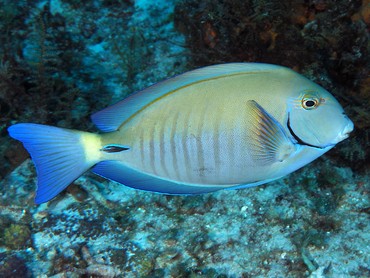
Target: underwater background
<point x="62" y="60"/>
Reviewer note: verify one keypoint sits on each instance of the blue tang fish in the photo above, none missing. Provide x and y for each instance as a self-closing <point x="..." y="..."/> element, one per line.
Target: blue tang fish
<point x="219" y="127"/>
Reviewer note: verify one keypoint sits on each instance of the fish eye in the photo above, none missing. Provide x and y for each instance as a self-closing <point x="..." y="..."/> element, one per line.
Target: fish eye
<point x="309" y="102"/>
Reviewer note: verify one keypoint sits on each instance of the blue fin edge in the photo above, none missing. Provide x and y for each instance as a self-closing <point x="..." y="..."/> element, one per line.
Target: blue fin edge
<point x="57" y="153"/>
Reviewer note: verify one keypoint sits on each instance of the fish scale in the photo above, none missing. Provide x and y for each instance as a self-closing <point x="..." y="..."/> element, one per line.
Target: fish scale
<point x="197" y="141"/>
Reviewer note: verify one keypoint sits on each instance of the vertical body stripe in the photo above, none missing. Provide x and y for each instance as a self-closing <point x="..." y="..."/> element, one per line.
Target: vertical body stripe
<point x="199" y="144"/>
<point x="173" y="146"/>
<point x="141" y="145"/>
<point x="162" y="153"/>
<point x="184" y="144"/>
<point x="216" y="143"/>
<point x="231" y="147"/>
<point x="152" y="148"/>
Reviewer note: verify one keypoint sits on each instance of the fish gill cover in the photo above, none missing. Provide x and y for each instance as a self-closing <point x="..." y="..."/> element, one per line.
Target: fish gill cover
<point x="60" y="61"/>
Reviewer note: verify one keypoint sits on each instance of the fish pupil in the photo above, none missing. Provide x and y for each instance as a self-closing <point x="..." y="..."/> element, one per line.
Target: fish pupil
<point x="310" y="103"/>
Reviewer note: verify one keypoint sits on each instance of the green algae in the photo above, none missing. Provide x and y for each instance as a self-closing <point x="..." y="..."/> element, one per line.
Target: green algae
<point x="16" y="236"/>
<point x="142" y="263"/>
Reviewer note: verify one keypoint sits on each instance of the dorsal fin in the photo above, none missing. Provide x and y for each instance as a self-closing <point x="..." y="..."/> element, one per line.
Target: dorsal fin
<point x="112" y="117"/>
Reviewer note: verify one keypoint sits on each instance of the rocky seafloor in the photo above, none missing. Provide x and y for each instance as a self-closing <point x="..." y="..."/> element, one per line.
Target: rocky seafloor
<point x="312" y="223"/>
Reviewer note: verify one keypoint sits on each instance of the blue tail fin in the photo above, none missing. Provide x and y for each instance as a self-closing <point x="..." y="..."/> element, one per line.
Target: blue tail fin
<point x="58" y="154"/>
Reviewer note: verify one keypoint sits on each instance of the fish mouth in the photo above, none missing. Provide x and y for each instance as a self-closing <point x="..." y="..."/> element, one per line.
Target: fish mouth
<point x="344" y="134"/>
<point x="299" y="140"/>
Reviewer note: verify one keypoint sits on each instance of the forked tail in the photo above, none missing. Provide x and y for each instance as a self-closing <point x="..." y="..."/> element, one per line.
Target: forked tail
<point x="60" y="155"/>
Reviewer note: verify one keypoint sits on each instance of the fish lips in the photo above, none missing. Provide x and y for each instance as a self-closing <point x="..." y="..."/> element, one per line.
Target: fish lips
<point x="344" y="134"/>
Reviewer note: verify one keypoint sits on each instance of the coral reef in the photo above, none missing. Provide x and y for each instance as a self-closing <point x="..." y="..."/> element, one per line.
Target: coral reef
<point x="291" y="33"/>
<point x="61" y="60"/>
<point x="13" y="267"/>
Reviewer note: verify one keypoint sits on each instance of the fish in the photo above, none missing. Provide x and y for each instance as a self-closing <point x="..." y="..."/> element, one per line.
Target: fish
<point x="226" y="126"/>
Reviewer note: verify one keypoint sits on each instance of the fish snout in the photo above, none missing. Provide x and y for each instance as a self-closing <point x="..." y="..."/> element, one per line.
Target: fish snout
<point x="348" y="128"/>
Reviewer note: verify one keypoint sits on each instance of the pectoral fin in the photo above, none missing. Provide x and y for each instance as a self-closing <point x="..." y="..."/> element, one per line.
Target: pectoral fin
<point x="269" y="142"/>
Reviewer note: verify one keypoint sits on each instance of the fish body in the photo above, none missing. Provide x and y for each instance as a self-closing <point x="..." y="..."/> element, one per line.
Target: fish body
<point x="225" y="126"/>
